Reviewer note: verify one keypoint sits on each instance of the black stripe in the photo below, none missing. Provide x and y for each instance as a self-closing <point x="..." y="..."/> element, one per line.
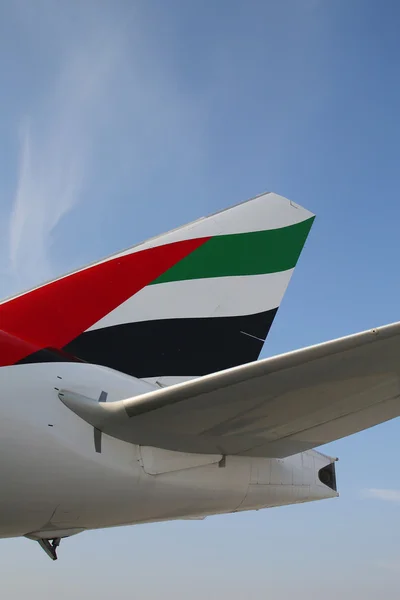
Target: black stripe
<point x="175" y="346"/>
<point x="47" y="355"/>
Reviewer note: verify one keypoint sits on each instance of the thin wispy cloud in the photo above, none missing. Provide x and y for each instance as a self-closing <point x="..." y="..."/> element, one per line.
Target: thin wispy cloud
<point x="383" y="494"/>
<point x="113" y="85"/>
<point x="55" y="152"/>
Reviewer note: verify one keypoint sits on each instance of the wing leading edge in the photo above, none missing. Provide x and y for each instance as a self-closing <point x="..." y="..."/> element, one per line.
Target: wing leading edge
<point x="275" y="407"/>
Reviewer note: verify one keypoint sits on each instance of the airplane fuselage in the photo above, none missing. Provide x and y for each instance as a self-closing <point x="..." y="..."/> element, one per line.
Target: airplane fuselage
<point x="57" y="480"/>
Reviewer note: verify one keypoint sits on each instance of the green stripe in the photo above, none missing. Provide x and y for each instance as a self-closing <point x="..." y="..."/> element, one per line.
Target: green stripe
<point x="252" y="253"/>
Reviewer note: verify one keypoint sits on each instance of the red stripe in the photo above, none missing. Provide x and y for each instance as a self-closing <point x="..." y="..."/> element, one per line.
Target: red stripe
<point x="56" y="313"/>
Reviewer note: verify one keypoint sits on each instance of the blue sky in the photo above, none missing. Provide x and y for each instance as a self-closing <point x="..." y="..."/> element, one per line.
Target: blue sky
<point x="122" y="119"/>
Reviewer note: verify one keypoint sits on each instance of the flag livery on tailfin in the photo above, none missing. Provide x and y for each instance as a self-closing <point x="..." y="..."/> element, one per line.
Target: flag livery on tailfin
<point x="191" y="302"/>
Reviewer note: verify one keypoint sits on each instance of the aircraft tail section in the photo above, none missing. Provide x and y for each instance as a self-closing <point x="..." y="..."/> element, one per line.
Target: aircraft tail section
<point x="193" y="301"/>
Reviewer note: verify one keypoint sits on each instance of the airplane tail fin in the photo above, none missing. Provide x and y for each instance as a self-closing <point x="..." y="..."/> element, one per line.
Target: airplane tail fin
<point x="196" y="300"/>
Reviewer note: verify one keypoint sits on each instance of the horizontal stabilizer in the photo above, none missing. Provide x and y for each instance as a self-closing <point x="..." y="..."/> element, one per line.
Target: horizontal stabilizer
<point x="276" y="407"/>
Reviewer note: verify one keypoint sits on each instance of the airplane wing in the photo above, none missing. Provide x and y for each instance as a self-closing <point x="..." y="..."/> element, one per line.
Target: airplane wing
<point x="275" y="407"/>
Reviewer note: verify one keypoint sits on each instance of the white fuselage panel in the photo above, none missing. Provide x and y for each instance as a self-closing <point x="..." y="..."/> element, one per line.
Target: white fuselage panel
<point x="54" y="481"/>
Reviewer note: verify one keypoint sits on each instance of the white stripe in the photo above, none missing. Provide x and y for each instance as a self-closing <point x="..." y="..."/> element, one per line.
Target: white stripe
<point x="210" y="297"/>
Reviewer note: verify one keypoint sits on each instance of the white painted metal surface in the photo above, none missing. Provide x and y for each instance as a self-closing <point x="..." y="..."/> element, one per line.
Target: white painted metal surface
<point x="272" y="408"/>
<point x="54" y="483"/>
